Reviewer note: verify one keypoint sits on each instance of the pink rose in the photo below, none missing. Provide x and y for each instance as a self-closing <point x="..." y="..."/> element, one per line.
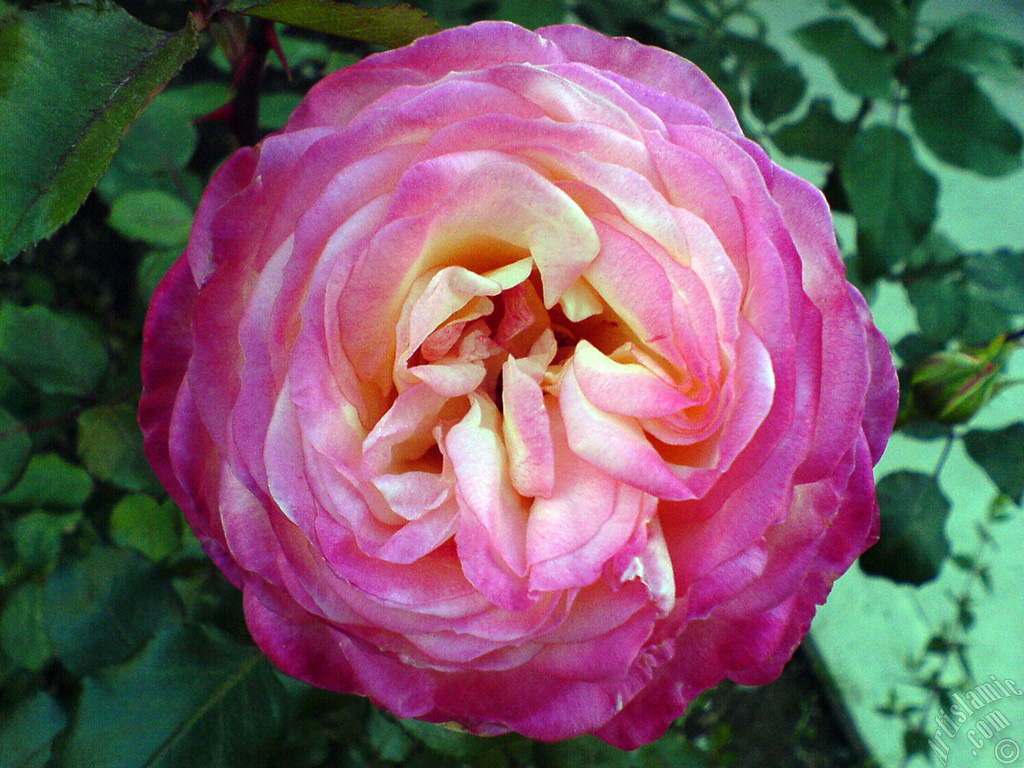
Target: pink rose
<point x="516" y="388"/>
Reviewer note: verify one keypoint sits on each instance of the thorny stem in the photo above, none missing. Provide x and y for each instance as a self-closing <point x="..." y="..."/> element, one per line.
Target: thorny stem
<point x="245" y="110"/>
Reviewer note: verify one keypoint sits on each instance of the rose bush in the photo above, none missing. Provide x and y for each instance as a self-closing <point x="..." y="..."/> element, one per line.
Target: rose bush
<point x="516" y="388"/>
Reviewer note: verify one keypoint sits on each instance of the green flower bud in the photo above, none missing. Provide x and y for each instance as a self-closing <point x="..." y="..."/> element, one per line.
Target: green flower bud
<point x="952" y="386"/>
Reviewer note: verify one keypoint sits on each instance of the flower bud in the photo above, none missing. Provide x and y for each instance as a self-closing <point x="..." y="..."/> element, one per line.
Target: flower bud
<point x="952" y="386"/>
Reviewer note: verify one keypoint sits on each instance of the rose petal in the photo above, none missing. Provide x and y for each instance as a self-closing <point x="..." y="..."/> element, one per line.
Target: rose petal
<point x="526" y="429"/>
<point x="492" y="530"/>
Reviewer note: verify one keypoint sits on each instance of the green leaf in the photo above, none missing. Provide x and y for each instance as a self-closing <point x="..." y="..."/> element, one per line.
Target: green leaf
<point x="890" y="16"/>
<point x="23" y="630"/>
<point x="972" y="298"/>
<point x="985" y="318"/>
<point x="916" y="742"/>
<point x="775" y="90"/>
<point x="138" y="521"/>
<point x="38" y="536"/>
<point x="387" y="738"/>
<point x="975" y="46"/>
<point x="673" y="750"/>
<point x="959" y="123"/>
<point x="940" y="304"/>
<point x="27" y="735"/>
<point x="157" y="148"/>
<point x="935" y="253"/>
<point x="59" y="354"/>
<point x="72" y="79"/>
<point x="162" y="140"/>
<point x="999" y="277"/>
<point x="1000" y="452"/>
<point x="913" y="349"/>
<point x="195" y="99"/>
<point x="192" y="697"/>
<point x="584" y="750"/>
<point x="153" y="216"/>
<point x="750" y="52"/>
<point x="442" y="740"/>
<point x="531" y="14"/>
<point x="153" y="267"/>
<point x="892" y="197"/>
<point x="819" y="135"/>
<point x="15" y="445"/>
<point x="276" y="108"/>
<point x="164" y="14"/>
<point x="184" y="184"/>
<point x="913" y="541"/>
<point x="860" y="67"/>
<point x="50" y="482"/>
<point x="390" y="26"/>
<point x="308" y="744"/>
<point x="951" y="307"/>
<point x="300" y="51"/>
<point x="110" y="446"/>
<point x="101" y="610"/>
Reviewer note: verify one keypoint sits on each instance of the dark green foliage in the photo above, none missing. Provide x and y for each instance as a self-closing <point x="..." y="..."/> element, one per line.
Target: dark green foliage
<point x="50" y="481"/>
<point x="78" y="77"/>
<point x="972" y="46"/>
<point x="15" y="445"/>
<point x="531" y="14"/>
<point x="913" y="543"/>
<point x="672" y="751"/>
<point x="23" y="635"/>
<point x="1000" y="452"/>
<point x="818" y="135"/>
<point x="859" y="66"/>
<point x="110" y="447"/>
<point x="1000" y="276"/>
<point x="191" y="697"/>
<point x="101" y="610"/>
<point x="27" y="735"/>
<point x="951" y="114"/>
<point x="892" y="17"/>
<point x="169" y="15"/>
<point x="775" y="90"/>
<point x="140" y="522"/>
<point x="38" y="537"/>
<point x="58" y="354"/>
<point x="970" y="298"/>
<point x="892" y="197"/>
<point x="391" y="26"/>
<point x="959" y="123"/>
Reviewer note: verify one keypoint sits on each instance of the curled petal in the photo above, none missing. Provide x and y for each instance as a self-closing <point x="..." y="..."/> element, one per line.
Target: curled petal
<point x="527" y="432"/>
<point x="628" y="389"/>
<point x="615" y="444"/>
<point x="492" y="531"/>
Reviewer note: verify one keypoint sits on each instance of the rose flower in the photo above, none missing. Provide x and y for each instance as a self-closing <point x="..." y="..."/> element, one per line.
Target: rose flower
<point x="515" y="388"/>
